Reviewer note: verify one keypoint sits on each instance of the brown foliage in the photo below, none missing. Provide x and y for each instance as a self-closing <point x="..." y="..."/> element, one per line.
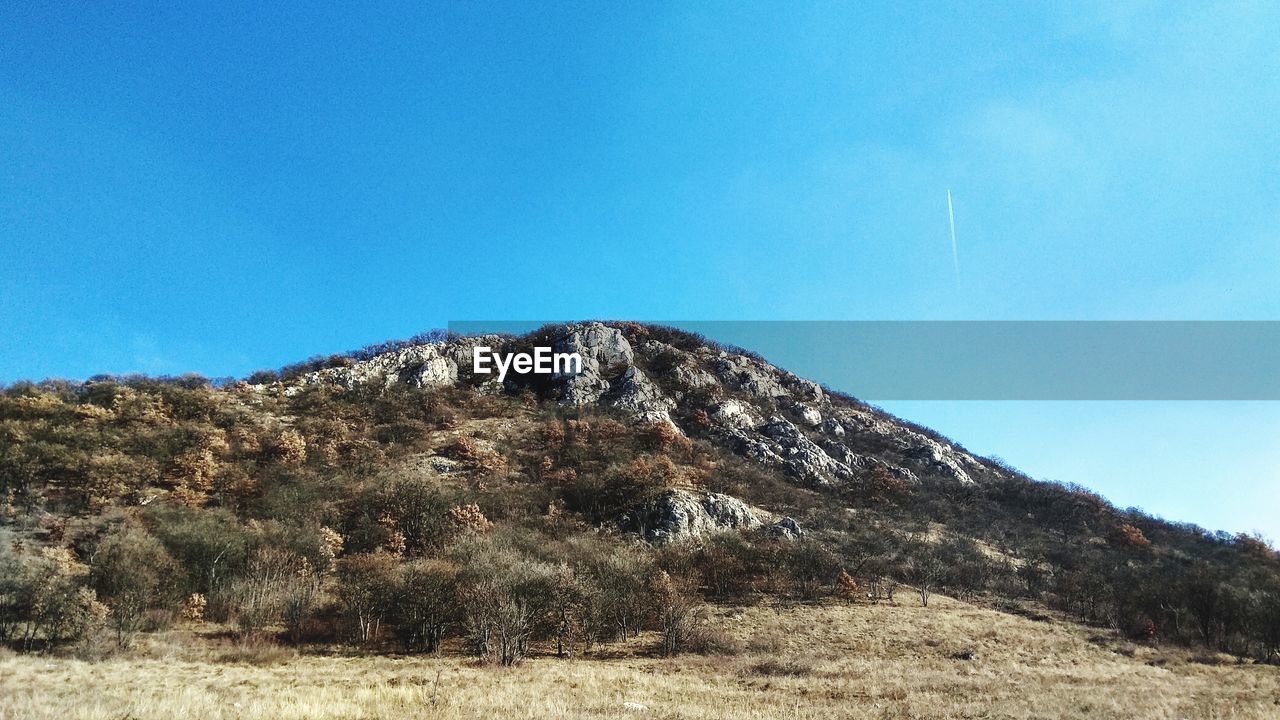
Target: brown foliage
<point x="468" y="450"/>
<point x="846" y="587"/>
<point x="1130" y="536"/>
<point x="290" y="447"/>
<point x="468" y="518"/>
<point x="551" y="435"/>
<point x="884" y="487"/>
<point x="679" y="616"/>
<point x="652" y="472"/>
<point x="667" y="437"/>
<point x="594" y="432"/>
<point x="1255" y="545"/>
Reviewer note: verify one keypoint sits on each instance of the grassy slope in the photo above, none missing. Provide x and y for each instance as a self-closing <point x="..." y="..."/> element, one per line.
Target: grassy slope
<point x="885" y="661"/>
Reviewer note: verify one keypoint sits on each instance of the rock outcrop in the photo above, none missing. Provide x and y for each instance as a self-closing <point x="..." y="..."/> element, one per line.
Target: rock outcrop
<point x="421" y="366"/>
<point x="750" y="376"/>
<point x="679" y="515"/>
<point x="637" y="395"/>
<point x="605" y="351"/>
<point x="802" y="458"/>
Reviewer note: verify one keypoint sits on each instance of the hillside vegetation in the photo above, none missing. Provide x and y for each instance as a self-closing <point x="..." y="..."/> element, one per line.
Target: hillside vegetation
<point x="389" y="502"/>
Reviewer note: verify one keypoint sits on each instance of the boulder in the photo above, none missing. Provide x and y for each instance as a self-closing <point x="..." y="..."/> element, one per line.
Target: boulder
<point x="863" y="464"/>
<point x="806" y="415"/>
<point x="692" y="377"/>
<point x="753" y="447"/>
<point x="831" y="426"/>
<point x="786" y="528"/>
<point x="927" y="455"/>
<point x="601" y="347"/>
<point x="937" y="459"/>
<point x="428" y="365"/>
<point x="736" y="414"/>
<point x="804" y="390"/>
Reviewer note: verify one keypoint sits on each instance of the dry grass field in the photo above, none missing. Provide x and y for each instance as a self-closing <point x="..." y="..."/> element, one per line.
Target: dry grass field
<point x="950" y="660"/>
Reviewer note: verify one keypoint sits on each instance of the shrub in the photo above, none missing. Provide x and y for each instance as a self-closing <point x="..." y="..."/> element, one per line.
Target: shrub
<point x="1255" y="545"/>
<point x="193" y="607"/>
<point x="620" y="576"/>
<point x="478" y="457"/>
<point x="572" y="609"/>
<point x="966" y="569"/>
<point x="707" y="639"/>
<point x="847" y="588"/>
<point x="883" y="487"/>
<point x="133" y="573"/>
<point x="665" y="437"/>
<point x="209" y="544"/>
<point x="290" y="447"/>
<point x="301" y="592"/>
<point x="15" y="592"/>
<point x="410" y="506"/>
<point x="924" y="569"/>
<point x="43" y="599"/>
<point x="812" y="567"/>
<point x="730" y="565"/>
<point x="468" y="519"/>
<point x="1129" y="536"/>
<point x="642" y="479"/>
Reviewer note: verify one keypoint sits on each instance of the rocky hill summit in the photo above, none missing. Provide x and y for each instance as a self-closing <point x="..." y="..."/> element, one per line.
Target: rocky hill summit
<point x="818" y="438"/>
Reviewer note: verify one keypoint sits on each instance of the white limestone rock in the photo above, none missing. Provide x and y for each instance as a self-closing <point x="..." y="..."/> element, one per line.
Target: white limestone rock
<point x="680" y="515"/>
<point x="807" y="415"/>
<point x="736" y="414"/>
<point x="801" y="457"/>
<point x="636" y="394"/>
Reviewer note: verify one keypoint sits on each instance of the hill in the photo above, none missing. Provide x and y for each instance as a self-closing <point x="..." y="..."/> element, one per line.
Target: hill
<point x="394" y="500"/>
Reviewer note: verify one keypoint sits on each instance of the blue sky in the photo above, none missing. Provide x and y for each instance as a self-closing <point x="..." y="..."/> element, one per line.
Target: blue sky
<point x="233" y="186"/>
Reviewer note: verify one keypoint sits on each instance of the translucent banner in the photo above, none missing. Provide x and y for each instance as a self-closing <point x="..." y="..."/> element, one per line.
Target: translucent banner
<point x="1003" y="360"/>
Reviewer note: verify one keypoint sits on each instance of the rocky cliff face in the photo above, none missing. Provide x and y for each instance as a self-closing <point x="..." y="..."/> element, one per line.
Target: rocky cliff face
<point x="757" y="410"/>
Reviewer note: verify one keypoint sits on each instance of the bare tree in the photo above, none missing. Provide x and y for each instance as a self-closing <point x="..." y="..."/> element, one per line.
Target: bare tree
<point x="623" y="581"/>
<point x="677" y="612"/>
<point x="507" y="597"/>
<point x="258" y="596"/>
<point x="924" y="569"/>
<point x="365" y="588"/>
<point x="568" y="602"/>
<point x="426" y="603"/>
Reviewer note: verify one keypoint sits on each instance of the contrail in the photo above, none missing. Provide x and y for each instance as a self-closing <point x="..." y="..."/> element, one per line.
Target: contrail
<point x="955" y="255"/>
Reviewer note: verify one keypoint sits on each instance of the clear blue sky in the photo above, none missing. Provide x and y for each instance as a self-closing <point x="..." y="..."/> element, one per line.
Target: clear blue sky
<point x="230" y="187"/>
